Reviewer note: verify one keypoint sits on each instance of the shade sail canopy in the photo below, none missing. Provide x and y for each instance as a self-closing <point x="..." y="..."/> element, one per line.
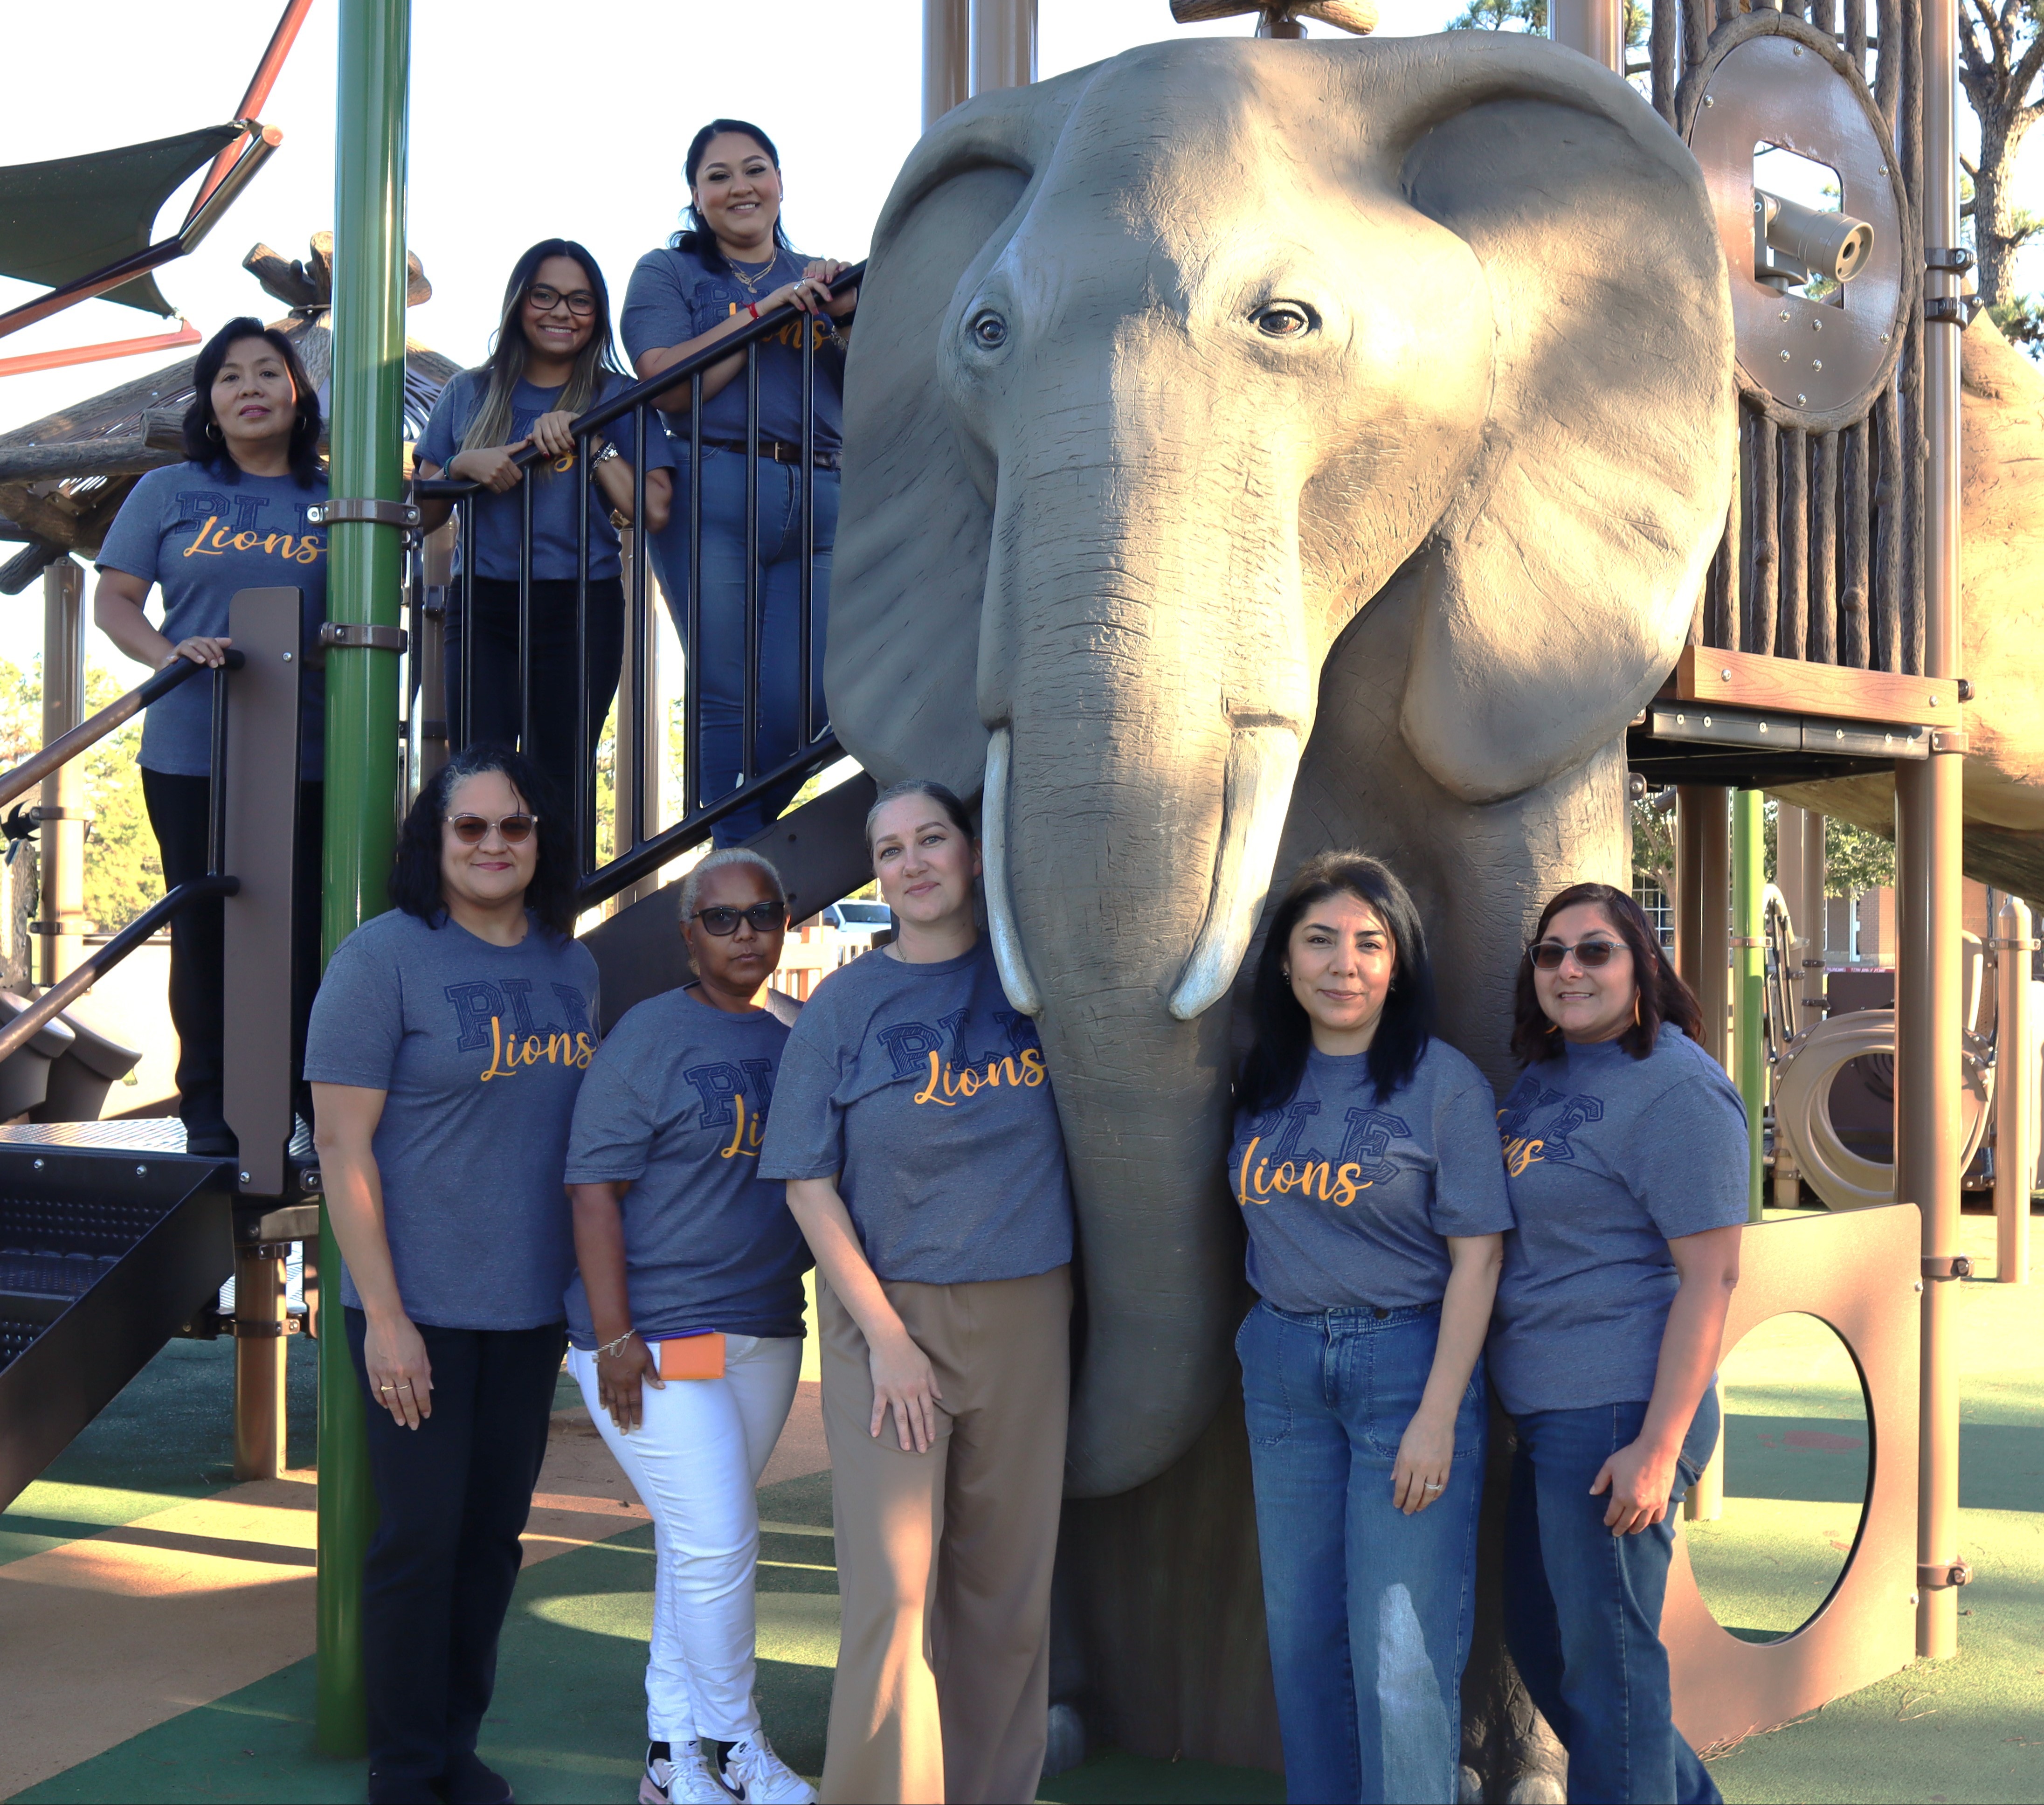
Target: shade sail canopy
<point x="63" y="220"/>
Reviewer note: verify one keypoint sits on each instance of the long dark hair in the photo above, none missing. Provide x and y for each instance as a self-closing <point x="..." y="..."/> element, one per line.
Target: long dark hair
<point x="203" y="442"/>
<point x="1276" y="1062"/>
<point x="1663" y="995"/>
<point x="695" y="237"/>
<point x="415" y="872"/>
<point x="491" y="424"/>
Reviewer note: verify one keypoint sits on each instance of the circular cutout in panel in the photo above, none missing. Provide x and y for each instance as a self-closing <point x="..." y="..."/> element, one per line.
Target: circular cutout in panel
<point x="1797" y="1445"/>
<point x="1775" y="95"/>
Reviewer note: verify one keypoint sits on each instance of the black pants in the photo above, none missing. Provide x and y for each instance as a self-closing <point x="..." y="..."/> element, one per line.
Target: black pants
<point x="179" y="810"/>
<point x="551" y="658"/>
<point x="452" y="1497"/>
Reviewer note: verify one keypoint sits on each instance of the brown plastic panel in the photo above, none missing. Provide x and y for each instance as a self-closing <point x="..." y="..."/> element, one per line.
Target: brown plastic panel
<point x="1856" y="1271"/>
<point x="262" y="842"/>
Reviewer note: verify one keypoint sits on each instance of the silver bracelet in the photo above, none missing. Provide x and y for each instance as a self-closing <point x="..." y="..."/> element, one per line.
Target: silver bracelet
<point x="614" y="1348"/>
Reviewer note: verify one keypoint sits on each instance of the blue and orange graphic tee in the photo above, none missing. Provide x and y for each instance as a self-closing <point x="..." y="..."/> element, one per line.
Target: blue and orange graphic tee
<point x="675" y="1106"/>
<point x="200" y="535"/>
<point x="480" y="1049"/>
<point x="1608" y="1158"/>
<point x="924" y="1093"/>
<point x="1349" y="1199"/>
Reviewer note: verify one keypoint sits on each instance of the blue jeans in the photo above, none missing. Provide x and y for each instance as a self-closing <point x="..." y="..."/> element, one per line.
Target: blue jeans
<point x="717" y="666"/>
<point x="1369" y="1610"/>
<point x="1582" y="1606"/>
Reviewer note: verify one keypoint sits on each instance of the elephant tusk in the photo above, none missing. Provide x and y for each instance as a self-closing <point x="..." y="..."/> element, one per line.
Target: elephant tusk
<point x="1261" y="763"/>
<point x="1009" y="958"/>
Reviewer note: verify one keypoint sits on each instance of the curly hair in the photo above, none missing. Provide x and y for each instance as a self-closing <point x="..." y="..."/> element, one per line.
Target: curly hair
<point x="415" y="871"/>
<point x="1663" y="995"/>
<point x="203" y="443"/>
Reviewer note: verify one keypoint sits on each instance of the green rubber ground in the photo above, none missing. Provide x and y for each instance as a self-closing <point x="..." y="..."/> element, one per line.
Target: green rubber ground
<point x="568" y="1719"/>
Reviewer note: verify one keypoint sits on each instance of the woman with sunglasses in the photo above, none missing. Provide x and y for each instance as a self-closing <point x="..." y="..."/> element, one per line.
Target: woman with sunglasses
<point x="914" y="1124"/>
<point x="1625" y="1149"/>
<point x="552" y="361"/>
<point x="691" y="1264"/>
<point x="447" y="1047"/>
<point x="233" y="516"/>
<point x="1376" y="1208"/>
<point x="732" y="263"/>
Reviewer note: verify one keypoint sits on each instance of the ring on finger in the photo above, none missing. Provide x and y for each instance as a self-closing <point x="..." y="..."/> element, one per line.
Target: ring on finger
<point x="1433" y="1485"/>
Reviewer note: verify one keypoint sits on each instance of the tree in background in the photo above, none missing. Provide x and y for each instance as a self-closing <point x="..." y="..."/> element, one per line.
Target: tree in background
<point x="2001" y="55"/>
<point x="1532" y="16"/>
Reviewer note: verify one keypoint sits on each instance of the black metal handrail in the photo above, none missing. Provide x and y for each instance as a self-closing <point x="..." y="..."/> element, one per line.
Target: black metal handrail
<point x="636" y="855"/>
<point x="89" y="732"/>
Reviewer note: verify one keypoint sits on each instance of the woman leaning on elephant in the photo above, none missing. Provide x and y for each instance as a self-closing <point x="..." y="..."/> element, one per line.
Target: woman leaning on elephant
<point x="914" y="1121"/>
<point x="1375" y="1207"/>
<point x="1626" y="1153"/>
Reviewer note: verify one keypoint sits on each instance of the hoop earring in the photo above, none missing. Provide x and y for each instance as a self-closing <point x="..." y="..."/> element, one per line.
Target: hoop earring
<point x="1635" y="1007"/>
<point x="213" y="429"/>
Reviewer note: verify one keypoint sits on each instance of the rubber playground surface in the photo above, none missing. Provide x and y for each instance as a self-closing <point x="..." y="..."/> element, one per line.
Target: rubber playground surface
<point x="156" y="1634"/>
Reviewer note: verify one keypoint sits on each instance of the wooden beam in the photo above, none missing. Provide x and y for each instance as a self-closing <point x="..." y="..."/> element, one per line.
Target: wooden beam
<point x="1746" y="680"/>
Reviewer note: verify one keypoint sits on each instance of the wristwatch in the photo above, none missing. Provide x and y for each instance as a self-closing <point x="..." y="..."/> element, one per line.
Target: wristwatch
<point x="608" y="452"/>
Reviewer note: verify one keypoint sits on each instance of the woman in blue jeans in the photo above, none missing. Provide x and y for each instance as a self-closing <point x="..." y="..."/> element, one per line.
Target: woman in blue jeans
<point x="1625" y="1149"/>
<point x="732" y="263"/>
<point x="1363" y="1162"/>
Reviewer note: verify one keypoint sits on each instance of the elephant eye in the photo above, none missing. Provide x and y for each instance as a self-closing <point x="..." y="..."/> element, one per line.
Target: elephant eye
<point x="1284" y="319"/>
<point x="990" y="331"/>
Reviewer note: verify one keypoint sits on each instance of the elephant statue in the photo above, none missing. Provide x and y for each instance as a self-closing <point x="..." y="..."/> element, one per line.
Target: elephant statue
<point x="1255" y="446"/>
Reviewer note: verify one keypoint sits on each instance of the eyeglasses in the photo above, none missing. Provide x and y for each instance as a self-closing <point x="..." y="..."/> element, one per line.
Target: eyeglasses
<point x="472" y="830"/>
<point x="764" y="916"/>
<point x="543" y="300"/>
<point x="1590" y="954"/>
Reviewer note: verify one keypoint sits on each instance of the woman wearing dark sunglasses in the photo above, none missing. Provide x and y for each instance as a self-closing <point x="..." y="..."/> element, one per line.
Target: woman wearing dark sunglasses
<point x="447" y="1045"/>
<point x="1625" y="1149"/>
<point x="689" y="1261"/>
<point x="1375" y="1206"/>
<point x="552" y="360"/>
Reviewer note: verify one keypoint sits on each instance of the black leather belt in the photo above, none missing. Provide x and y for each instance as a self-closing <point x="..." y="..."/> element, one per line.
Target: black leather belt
<point x="781" y="451"/>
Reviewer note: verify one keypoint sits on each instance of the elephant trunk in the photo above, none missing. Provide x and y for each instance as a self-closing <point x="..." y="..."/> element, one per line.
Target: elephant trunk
<point x="1140" y="769"/>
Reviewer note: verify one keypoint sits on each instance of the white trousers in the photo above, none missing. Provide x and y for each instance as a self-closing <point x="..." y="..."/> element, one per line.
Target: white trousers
<point x="695" y="1461"/>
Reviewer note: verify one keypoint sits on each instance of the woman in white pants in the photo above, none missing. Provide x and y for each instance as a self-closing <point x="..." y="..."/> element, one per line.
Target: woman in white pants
<point x="692" y="1268"/>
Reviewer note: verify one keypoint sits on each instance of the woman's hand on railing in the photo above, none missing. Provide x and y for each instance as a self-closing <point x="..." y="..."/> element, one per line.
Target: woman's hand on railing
<point x="492" y="466"/>
<point x="827" y="269"/>
<point x="811" y="294"/>
<point x="553" y="433"/>
<point x="201" y="649"/>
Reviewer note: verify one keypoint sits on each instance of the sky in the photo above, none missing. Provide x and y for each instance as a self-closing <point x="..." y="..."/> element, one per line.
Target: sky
<point x="510" y="141"/>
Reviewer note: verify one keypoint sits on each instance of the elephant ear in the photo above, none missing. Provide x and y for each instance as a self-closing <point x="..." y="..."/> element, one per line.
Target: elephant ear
<point x="910" y="572"/>
<point x="1566" y="574"/>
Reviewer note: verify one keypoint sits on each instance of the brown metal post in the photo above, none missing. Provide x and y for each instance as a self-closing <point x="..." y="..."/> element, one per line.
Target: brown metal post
<point x="1817" y="951"/>
<point x="1003" y="44"/>
<point x="2014" y="1094"/>
<point x="1596" y="28"/>
<point x="946" y="57"/>
<point x="62" y="926"/>
<point x="1928" y="886"/>
<point x="260" y="1350"/>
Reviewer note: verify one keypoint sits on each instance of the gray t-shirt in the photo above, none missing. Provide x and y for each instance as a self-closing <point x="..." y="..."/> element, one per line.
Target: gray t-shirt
<point x="926" y="1095"/>
<point x="480" y="1049"/>
<point x="199" y="535"/>
<point x="1349" y="1201"/>
<point x="1607" y="1159"/>
<point x="499" y="519"/>
<point x="674" y="1105"/>
<point x="673" y="297"/>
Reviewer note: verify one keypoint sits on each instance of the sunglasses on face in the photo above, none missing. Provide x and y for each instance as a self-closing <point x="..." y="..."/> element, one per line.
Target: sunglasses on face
<point x="1590" y="954"/>
<point x="764" y="917"/>
<point x="472" y="830"/>
<point x="544" y="300"/>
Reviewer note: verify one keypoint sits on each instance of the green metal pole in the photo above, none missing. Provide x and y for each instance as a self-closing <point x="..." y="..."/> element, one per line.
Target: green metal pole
<point x="365" y="568"/>
<point x="1748" y="891"/>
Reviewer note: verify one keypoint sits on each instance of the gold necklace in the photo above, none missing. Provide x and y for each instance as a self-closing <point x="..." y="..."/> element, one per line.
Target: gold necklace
<point x="751" y="283"/>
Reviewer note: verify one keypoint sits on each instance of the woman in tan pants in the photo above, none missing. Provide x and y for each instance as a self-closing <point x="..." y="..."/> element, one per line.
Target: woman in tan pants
<point x="913" y="1120"/>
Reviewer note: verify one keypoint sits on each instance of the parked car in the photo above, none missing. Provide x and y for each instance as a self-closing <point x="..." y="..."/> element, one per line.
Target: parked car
<point x="866" y="921"/>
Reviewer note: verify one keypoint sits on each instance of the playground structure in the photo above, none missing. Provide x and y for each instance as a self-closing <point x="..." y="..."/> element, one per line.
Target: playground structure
<point x="1823" y="649"/>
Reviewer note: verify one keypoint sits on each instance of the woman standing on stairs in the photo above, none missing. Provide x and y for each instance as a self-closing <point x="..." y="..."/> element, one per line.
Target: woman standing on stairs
<point x="685" y="1321"/>
<point x="232" y="517"/>
<point x="732" y="263"/>
<point x="914" y="1124"/>
<point x="447" y="1047"/>
<point x="1625" y="1148"/>
<point x="552" y="360"/>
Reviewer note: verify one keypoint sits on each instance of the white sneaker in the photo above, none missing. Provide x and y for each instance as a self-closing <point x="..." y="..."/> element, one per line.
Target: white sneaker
<point x="763" y="1778"/>
<point x="689" y="1779"/>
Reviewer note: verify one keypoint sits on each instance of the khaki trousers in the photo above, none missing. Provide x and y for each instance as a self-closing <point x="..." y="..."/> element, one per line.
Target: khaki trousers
<point x="941" y="1694"/>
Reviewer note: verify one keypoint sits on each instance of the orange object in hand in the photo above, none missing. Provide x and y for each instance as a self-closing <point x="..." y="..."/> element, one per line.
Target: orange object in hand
<point x="693" y="1356"/>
